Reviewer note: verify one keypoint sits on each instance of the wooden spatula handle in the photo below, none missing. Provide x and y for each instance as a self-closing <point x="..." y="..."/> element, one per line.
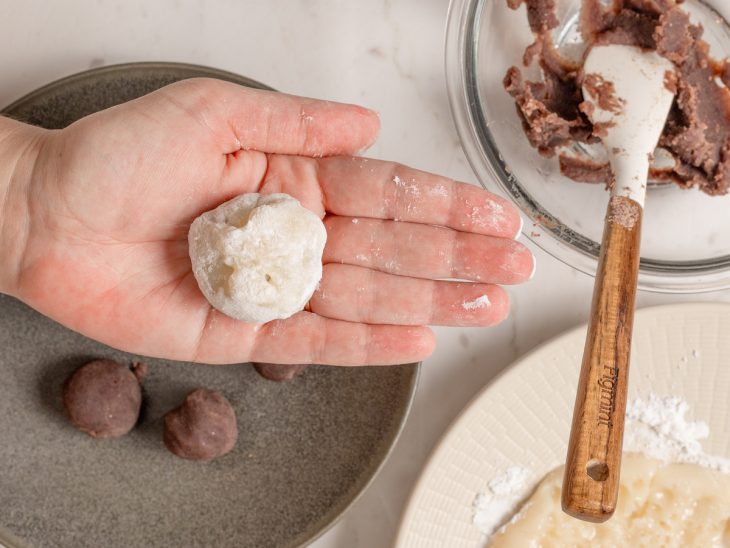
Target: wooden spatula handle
<point x="593" y="464"/>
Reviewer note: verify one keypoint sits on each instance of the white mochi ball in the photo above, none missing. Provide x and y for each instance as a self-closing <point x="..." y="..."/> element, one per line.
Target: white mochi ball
<point x="258" y="257"/>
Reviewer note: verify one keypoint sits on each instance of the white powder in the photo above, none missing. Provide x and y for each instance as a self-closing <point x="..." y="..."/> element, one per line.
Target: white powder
<point x="438" y="190"/>
<point x="479" y="302"/>
<point x="495" y="507"/>
<point x="490" y="217"/>
<point x="497" y="213"/>
<point x="658" y="427"/>
<point x="409" y="188"/>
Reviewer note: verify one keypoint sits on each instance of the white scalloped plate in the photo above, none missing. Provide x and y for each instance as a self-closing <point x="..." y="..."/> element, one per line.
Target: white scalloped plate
<point x="523" y="417"/>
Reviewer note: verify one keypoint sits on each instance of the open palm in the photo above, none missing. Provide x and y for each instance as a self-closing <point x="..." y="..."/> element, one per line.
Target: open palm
<point x="113" y="195"/>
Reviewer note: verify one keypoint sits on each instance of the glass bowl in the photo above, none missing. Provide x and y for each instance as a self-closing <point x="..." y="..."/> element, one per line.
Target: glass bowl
<point x="686" y="234"/>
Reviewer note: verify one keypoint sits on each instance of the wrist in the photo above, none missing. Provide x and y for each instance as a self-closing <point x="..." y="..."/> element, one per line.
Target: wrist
<point x="19" y="145"/>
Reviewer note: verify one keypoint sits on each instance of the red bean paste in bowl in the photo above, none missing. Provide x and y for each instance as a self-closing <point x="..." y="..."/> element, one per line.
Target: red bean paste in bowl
<point x="554" y="114"/>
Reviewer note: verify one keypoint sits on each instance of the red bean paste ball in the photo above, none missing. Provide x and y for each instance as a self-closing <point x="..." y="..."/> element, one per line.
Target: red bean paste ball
<point x="279" y="372"/>
<point x="103" y="398"/>
<point x="202" y="428"/>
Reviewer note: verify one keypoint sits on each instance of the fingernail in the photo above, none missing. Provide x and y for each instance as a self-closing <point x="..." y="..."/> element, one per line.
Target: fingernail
<point x="534" y="268"/>
<point x="373" y="111"/>
<point x="366" y="111"/>
<point x="519" y="231"/>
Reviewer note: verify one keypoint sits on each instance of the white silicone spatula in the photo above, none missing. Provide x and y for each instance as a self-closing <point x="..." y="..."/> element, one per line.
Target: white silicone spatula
<point x="631" y="100"/>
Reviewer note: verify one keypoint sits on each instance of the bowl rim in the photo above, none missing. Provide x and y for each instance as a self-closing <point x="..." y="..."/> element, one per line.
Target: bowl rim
<point x="560" y="242"/>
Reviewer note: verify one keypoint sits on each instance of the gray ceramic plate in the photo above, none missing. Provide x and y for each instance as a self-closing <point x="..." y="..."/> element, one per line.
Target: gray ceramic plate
<point x="306" y="448"/>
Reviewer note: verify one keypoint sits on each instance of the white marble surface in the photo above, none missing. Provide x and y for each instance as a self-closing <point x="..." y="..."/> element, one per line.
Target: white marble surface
<point x="387" y="55"/>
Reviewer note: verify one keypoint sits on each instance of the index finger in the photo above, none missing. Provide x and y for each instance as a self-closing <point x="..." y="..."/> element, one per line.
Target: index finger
<point x="384" y="190"/>
<point x="241" y="118"/>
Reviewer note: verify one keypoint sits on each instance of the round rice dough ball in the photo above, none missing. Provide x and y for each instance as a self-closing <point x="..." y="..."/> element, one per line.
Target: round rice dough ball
<point x="103" y="398"/>
<point x="258" y="258"/>
<point x="202" y="428"/>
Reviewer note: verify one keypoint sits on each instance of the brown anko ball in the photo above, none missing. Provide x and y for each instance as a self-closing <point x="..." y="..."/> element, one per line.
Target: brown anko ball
<point x="279" y="372"/>
<point x="103" y="398"/>
<point x="202" y="428"/>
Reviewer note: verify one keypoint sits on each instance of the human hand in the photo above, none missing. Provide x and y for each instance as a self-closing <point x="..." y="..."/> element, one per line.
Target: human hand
<point x="95" y="223"/>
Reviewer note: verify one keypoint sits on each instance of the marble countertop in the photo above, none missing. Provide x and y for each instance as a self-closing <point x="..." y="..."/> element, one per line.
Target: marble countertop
<point x="385" y="54"/>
